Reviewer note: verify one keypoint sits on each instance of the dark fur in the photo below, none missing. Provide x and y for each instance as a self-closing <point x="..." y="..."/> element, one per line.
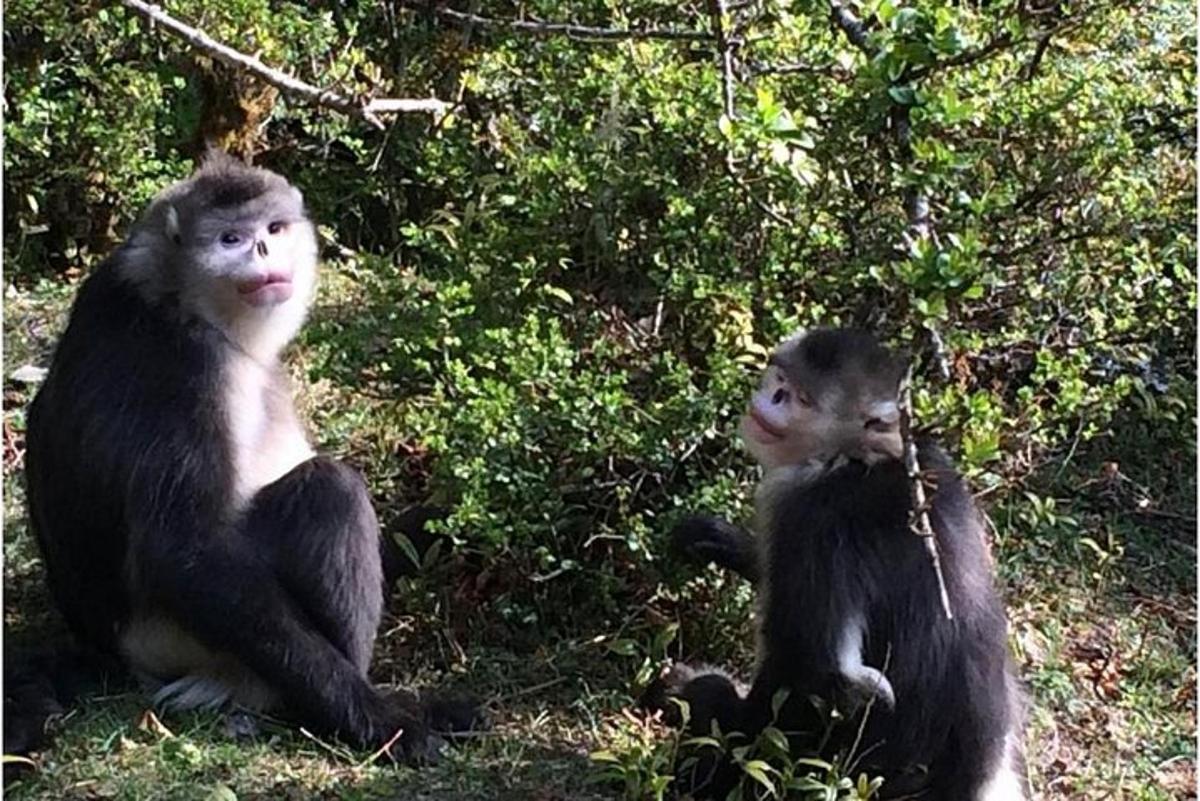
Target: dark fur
<point x="39" y="685"/>
<point x="704" y="540"/>
<point x="841" y="546"/>
<point x="129" y="482"/>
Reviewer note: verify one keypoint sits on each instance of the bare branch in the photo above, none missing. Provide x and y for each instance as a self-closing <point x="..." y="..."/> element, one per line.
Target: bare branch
<point x="798" y="68"/>
<point x="968" y="57"/>
<point x="540" y="28"/>
<point x="367" y="110"/>
<point x="921" y="525"/>
<point x="1035" y="61"/>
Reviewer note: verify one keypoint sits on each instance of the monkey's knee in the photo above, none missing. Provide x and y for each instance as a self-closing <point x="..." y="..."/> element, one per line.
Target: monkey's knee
<point x="319" y="525"/>
<point x="322" y="495"/>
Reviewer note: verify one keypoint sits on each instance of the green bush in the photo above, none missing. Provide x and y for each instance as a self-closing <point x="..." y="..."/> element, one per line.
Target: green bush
<point x="566" y="291"/>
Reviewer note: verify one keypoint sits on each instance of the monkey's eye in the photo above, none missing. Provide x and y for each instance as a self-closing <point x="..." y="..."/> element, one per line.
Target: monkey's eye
<point x="230" y="238"/>
<point x="803" y="399"/>
<point x="277" y="227"/>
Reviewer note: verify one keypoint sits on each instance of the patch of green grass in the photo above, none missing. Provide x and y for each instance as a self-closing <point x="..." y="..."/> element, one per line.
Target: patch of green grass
<point x="1100" y="585"/>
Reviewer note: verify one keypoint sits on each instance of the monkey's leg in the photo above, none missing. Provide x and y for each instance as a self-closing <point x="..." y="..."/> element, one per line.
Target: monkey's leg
<point x="713" y="701"/>
<point x="319" y="527"/>
<point x="225" y="592"/>
<point x="709" y="693"/>
<point x="707" y="539"/>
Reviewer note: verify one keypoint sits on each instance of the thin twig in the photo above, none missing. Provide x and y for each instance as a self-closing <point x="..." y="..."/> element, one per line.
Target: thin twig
<point x="921" y="525"/>
<point x="383" y="750"/>
<point x="537" y="688"/>
<point x="540" y="28"/>
<point x="966" y="58"/>
<point x="725" y="47"/>
<point x="797" y="68"/>
<point x="1030" y="69"/>
<point x="916" y="203"/>
<point x="367" y="110"/>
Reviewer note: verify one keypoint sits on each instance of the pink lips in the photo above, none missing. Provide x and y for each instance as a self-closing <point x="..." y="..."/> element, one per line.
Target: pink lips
<point x="771" y="432"/>
<point x="266" y="289"/>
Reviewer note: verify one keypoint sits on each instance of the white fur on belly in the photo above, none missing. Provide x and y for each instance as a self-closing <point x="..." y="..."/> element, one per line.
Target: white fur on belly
<point x="266" y="437"/>
<point x="184" y="674"/>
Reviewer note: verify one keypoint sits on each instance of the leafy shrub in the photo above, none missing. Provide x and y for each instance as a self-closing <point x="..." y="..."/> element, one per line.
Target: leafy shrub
<point x="566" y="285"/>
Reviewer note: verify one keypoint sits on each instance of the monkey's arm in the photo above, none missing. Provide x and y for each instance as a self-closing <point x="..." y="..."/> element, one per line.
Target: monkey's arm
<point x="706" y="539"/>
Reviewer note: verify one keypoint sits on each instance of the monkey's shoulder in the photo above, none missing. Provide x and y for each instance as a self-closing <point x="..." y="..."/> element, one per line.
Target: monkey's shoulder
<point x="125" y="377"/>
<point x="112" y="327"/>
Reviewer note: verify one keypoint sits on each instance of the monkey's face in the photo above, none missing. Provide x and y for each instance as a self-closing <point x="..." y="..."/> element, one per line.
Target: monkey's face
<point x="819" y="398"/>
<point x="258" y="254"/>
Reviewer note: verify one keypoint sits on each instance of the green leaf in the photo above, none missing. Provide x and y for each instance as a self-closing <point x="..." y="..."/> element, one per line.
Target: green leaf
<point x="758" y="770"/>
<point x="405" y="544"/>
<point x="902" y="95"/>
<point x="560" y="293"/>
<point x="624" y="647"/>
<point x="725" y="126"/>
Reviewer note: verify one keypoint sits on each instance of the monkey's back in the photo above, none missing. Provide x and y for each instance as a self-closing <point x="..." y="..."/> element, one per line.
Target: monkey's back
<point x="844" y="542"/>
<point x="128" y="403"/>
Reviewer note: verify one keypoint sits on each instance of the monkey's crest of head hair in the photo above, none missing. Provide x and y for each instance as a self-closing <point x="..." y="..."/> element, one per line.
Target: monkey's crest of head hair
<point x="220" y="182"/>
<point x="829" y="351"/>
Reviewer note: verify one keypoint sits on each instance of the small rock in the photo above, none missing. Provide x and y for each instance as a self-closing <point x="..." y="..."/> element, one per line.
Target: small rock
<point x="29" y="374"/>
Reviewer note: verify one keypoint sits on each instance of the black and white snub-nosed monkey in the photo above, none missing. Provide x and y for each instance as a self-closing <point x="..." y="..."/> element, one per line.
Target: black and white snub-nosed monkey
<point x="849" y="609"/>
<point x="185" y="521"/>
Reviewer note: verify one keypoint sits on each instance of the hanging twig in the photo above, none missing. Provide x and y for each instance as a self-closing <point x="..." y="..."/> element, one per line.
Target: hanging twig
<point x="367" y="110"/>
<point x="716" y="10"/>
<point x="920" y="523"/>
<point x="919" y="227"/>
<point x="726" y="44"/>
<point x="540" y="28"/>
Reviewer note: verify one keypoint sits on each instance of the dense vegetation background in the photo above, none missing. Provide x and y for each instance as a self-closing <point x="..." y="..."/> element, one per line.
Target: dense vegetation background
<point x="543" y="310"/>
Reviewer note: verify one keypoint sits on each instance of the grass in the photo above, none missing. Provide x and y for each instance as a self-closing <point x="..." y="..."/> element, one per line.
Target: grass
<point x="1100" y="583"/>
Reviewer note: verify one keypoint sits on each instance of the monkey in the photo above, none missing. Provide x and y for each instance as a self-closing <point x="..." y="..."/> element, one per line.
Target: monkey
<point x="849" y="610"/>
<point x="185" y="522"/>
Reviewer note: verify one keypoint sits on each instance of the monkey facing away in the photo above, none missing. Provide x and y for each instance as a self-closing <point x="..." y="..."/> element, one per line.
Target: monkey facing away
<point x="184" y="519"/>
<point x="849" y="608"/>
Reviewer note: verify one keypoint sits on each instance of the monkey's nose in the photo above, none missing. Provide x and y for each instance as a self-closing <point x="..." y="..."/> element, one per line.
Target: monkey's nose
<point x="261" y="246"/>
<point x="780" y="396"/>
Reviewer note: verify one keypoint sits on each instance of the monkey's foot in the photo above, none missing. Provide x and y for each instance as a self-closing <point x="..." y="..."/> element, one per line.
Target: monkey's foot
<point x="660" y="694"/>
<point x="454" y="716"/>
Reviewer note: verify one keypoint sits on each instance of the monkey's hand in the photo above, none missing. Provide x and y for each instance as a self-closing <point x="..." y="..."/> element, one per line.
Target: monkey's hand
<point x="867" y="683"/>
<point x="703" y="540"/>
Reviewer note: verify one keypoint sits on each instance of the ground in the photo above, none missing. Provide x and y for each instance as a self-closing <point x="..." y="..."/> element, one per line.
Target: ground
<point x="1100" y="582"/>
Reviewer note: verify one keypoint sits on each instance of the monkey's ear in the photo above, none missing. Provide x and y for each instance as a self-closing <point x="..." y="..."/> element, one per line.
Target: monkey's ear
<point x="172" y="225"/>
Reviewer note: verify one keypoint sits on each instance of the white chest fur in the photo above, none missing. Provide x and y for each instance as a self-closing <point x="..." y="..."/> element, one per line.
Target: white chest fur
<point x="265" y="436"/>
